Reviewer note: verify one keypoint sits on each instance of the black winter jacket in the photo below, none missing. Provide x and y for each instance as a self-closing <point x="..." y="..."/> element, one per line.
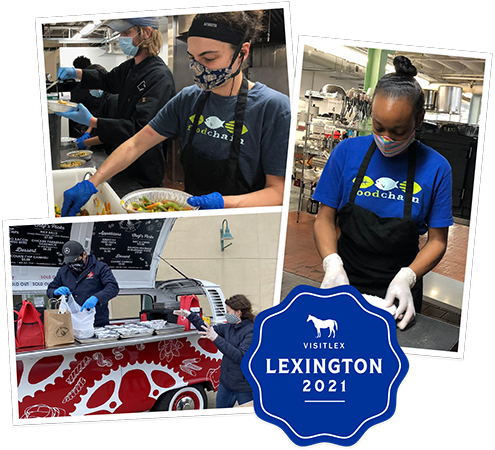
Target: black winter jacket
<point x="233" y="341"/>
<point x="143" y="89"/>
<point x="96" y="279"/>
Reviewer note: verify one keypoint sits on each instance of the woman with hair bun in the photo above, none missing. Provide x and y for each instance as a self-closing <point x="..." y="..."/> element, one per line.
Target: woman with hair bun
<point x="233" y="340"/>
<point x="378" y="194"/>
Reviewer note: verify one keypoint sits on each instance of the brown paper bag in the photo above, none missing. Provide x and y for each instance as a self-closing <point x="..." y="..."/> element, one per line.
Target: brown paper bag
<point x="58" y="328"/>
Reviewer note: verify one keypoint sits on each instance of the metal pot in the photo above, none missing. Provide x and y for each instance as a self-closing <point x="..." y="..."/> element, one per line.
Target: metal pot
<point x="449" y="99"/>
<point x="430" y="99"/>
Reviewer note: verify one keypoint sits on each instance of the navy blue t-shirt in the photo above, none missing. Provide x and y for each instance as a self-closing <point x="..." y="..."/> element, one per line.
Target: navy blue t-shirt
<point x="265" y="134"/>
<point x="384" y="185"/>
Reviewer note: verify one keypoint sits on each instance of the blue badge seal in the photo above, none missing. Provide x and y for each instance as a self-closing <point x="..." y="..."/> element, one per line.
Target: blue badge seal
<point x="324" y="365"/>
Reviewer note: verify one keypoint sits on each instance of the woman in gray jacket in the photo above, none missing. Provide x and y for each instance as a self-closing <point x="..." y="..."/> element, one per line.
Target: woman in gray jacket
<point x="232" y="339"/>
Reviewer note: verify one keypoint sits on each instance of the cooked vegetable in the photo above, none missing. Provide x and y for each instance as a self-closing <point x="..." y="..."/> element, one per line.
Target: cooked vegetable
<point x="144" y="205"/>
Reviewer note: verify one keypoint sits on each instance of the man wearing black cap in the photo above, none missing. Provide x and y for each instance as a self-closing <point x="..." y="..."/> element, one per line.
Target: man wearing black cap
<point x="144" y="84"/>
<point x="90" y="282"/>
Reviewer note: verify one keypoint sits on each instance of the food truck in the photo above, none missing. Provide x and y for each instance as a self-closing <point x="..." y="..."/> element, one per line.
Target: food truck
<point x="161" y="368"/>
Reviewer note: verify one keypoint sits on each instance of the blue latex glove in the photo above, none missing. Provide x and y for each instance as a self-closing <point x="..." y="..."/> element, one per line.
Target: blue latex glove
<point x="89" y="303"/>
<point x="80" y="141"/>
<point x="208" y="201"/>
<point x="76" y="197"/>
<point x="80" y="115"/>
<point x="66" y="73"/>
<point x="62" y="290"/>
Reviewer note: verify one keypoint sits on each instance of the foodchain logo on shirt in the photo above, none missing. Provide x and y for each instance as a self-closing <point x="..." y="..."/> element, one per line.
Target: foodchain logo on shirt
<point x="324" y="365"/>
<point x="216" y="128"/>
<point x="386" y="188"/>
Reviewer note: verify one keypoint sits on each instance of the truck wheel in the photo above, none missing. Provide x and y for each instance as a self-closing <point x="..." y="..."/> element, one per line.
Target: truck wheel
<point x="183" y="399"/>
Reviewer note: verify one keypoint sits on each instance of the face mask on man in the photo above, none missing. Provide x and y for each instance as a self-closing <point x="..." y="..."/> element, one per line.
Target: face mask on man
<point x="77" y="266"/>
<point x="97" y="93"/>
<point x="389" y="147"/>
<point x="127" y="46"/>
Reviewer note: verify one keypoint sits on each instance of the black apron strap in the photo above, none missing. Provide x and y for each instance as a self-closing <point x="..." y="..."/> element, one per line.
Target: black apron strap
<point x="197" y="114"/>
<point x="362" y="171"/>
<point x="411" y="173"/>
<point x="240" y="111"/>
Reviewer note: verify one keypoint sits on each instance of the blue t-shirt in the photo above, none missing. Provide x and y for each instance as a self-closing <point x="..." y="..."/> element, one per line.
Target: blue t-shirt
<point x="265" y="134"/>
<point x="384" y="185"/>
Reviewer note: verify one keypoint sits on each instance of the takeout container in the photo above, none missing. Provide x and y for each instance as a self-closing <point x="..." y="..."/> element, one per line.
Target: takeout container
<point x="156" y="195"/>
<point x="105" y="201"/>
<point x="80" y="154"/>
<point x="79" y="161"/>
<point x="54" y="106"/>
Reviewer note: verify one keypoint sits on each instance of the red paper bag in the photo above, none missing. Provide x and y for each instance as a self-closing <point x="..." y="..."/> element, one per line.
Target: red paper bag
<point x="187" y="302"/>
<point x="29" y="327"/>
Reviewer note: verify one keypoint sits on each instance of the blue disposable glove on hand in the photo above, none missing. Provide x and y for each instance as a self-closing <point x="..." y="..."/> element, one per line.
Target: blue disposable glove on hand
<point x="80" y="115"/>
<point x="80" y="142"/>
<point x="209" y="201"/>
<point x="66" y="73"/>
<point x="76" y="197"/>
<point x="89" y="303"/>
<point x="62" y="290"/>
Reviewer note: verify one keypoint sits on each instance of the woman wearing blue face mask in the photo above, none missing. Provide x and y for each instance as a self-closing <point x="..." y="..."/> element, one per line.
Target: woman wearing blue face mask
<point x="378" y="193"/>
<point x="234" y="132"/>
<point x="232" y="339"/>
<point x="143" y="83"/>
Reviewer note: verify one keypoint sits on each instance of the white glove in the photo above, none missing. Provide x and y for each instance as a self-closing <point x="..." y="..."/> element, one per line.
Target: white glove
<point x="380" y="303"/>
<point x="182" y="312"/>
<point x="334" y="272"/>
<point x="209" y="332"/>
<point x="400" y="288"/>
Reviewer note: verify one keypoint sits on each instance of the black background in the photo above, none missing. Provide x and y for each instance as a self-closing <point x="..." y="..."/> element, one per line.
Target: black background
<point x="130" y="244"/>
<point x="38" y="245"/>
<point x="440" y="402"/>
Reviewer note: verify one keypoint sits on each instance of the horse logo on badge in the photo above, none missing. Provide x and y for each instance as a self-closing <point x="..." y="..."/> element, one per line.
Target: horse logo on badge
<point x="319" y="324"/>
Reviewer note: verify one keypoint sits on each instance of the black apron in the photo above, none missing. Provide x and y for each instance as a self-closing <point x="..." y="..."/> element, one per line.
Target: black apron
<point x="373" y="248"/>
<point x="203" y="175"/>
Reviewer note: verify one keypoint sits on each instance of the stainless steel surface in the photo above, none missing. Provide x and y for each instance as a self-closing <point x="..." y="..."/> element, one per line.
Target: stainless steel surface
<point x="430" y="99"/>
<point x="449" y="99"/>
<point x="77" y="347"/>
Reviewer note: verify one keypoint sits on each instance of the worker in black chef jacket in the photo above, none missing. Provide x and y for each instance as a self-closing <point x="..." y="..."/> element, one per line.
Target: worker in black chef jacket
<point x="144" y="84"/>
<point x="234" y="132"/>
<point x="90" y="282"/>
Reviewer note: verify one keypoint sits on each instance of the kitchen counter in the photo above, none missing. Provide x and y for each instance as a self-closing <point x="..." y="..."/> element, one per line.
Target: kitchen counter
<point x="429" y="334"/>
<point x="423" y="333"/>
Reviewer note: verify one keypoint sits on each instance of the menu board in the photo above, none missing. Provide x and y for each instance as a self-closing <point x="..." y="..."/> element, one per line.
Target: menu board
<point x="38" y="245"/>
<point x="126" y="244"/>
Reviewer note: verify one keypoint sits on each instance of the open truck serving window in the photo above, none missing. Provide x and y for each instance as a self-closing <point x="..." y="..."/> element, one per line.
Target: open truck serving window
<point x="170" y="369"/>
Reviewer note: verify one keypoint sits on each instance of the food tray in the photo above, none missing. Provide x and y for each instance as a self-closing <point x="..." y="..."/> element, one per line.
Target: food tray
<point x="66" y="141"/>
<point x="94" y="340"/>
<point x="54" y="106"/>
<point x="170" y="328"/>
<point x="156" y="195"/>
<point x="80" y="154"/>
<point x="73" y="160"/>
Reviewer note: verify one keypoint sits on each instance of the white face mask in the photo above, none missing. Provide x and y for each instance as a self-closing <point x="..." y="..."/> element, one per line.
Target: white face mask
<point x="232" y="318"/>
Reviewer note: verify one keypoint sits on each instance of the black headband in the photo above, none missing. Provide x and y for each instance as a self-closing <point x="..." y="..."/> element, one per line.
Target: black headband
<point x="207" y="28"/>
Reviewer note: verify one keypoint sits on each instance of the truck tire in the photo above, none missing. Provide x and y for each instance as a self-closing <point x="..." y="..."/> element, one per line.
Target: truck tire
<point x="185" y="398"/>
